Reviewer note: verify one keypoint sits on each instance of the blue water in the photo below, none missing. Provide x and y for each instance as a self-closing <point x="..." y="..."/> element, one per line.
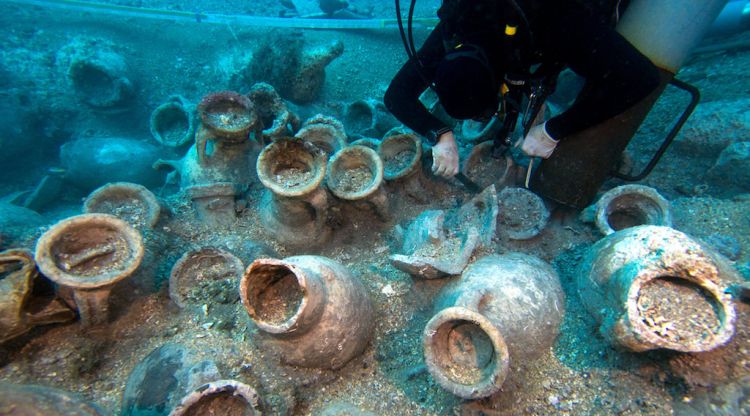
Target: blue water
<point x="125" y="92"/>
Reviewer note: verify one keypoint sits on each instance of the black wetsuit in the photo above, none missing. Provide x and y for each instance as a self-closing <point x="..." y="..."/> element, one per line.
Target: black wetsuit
<point x="562" y="32"/>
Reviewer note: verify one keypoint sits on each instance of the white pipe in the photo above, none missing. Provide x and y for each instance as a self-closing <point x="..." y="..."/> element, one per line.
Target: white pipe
<point x="238" y="20"/>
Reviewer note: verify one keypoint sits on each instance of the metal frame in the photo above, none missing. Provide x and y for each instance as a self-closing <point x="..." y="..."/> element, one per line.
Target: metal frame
<point x="695" y="98"/>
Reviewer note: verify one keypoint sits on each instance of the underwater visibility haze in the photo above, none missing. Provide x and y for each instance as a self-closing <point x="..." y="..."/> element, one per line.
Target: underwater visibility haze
<point x="207" y="208"/>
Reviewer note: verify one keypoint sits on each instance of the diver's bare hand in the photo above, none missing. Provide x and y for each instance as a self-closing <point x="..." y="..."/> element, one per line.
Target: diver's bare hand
<point x="445" y="156"/>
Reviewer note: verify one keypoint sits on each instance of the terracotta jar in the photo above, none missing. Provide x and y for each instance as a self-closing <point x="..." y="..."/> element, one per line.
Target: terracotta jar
<point x="295" y="204"/>
<point x="654" y="287"/>
<point x="502" y="312"/>
<point x="87" y="254"/>
<point x="315" y="313"/>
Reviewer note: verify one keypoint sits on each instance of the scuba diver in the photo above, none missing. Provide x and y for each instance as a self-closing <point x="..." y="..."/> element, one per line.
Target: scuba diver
<point x="483" y="51"/>
<point x="336" y="9"/>
<point x="340" y="9"/>
<point x="332" y="6"/>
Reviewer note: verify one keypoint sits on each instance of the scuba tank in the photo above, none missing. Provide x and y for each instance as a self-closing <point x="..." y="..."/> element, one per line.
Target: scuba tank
<point x="664" y="31"/>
